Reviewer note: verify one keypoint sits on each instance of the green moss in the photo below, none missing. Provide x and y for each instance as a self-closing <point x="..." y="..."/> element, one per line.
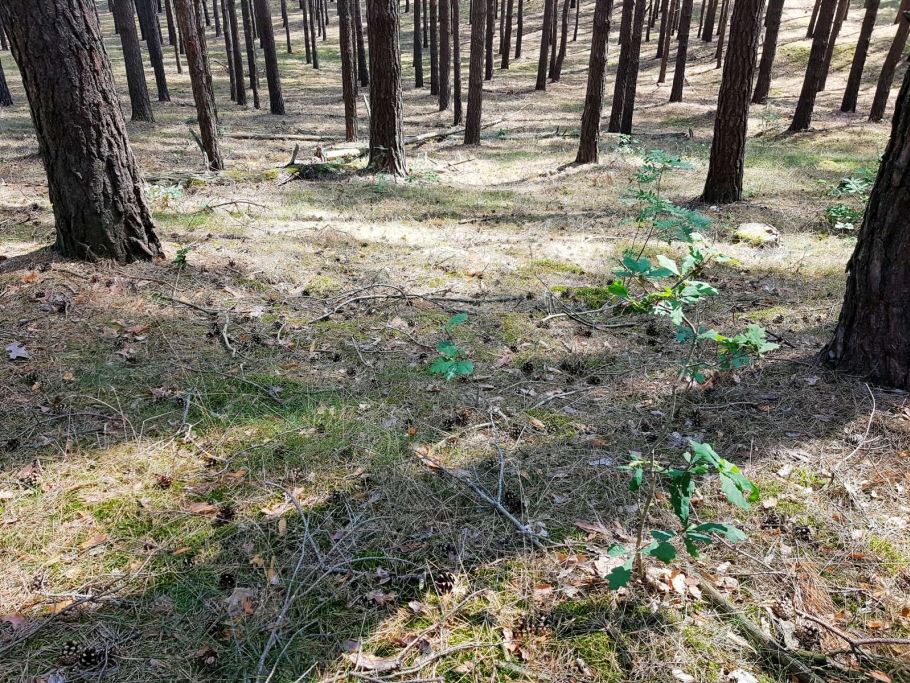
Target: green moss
<point x="591" y="297"/>
<point x="548" y="265"/>
<point x="892" y="557"/>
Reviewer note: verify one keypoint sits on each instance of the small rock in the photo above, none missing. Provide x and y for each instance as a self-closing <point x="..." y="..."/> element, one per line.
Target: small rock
<point x="758" y="235"/>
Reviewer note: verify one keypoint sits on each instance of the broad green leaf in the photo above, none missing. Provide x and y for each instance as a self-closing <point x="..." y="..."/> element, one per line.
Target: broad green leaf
<point x="730" y="532"/>
<point x="447" y="349"/>
<point x="730" y="488"/>
<point x="620" y="576"/>
<point x="665" y="552"/>
<point x="441" y="366"/>
<point x="617" y="550"/>
<point x="704" y="451"/>
<point x="668" y="264"/>
<point x="691" y="548"/>
<point x="681" y="490"/>
<point x="661" y="535"/>
<point x="617" y="288"/>
<point x="635" y="482"/>
<point x="456" y="320"/>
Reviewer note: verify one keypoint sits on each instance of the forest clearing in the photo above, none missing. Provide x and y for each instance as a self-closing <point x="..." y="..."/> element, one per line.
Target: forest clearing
<point x="329" y="409"/>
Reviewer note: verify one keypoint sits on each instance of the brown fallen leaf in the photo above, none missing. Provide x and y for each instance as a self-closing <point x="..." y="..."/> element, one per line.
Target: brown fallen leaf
<point x="15" y="620"/>
<point x="202" y="508"/>
<point x="97" y="539"/>
<point x="877" y="675"/>
<point x="367" y="662"/>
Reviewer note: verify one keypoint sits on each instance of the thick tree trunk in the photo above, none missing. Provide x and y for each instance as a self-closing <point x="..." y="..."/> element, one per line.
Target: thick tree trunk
<point x="94" y="183"/>
<point x="628" y="103"/>
<point x="270" y="52"/>
<point x="456" y="62"/>
<point x="197" y="62"/>
<point x="132" y="60"/>
<point x="146" y="10"/>
<point x="507" y="38"/>
<point x="491" y="32"/>
<point x="362" y="71"/>
<point x="236" y="50"/>
<point x="679" y="74"/>
<point x="519" y="27"/>
<point x="886" y="77"/>
<point x="545" y="35"/>
<point x="768" y="51"/>
<point x="851" y="93"/>
<point x="597" y="70"/>
<point x="386" y="138"/>
<point x="6" y="99"/>
<point x="872" y="339"/>
<point x="803" y="115"/>
<point x="563" y="40"/>
<point x="475" y="73"/>
<point x="434" y="47"/>
<point x="728" y="148"/>
<point x="445" y="54"/>
<point x="839" y="16"/>
<point x="246" y="13"/>
<point x="348" y="68"/>
<point x="707" y="32"/>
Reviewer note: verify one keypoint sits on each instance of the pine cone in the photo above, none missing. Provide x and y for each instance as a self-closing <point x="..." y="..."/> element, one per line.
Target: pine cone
<point x="207" y="658"/>
<point x="773" y="521"/>
<point x="783" y="609"/>
<point x="444" y="582"/>
<point x="91" y="657"/>
<point x="802" y="532"/>
<point x="227" y="582"/>
<point x="163" y="482"/>
<point x="30" y="476"/>
<point x="69" y="653"/>
<point x="511" y="501"/>
<point x="809" y="636"/>
<point x="536" y="624"/>
<point x="225" y="515"/>
<point x="36" y="585"/>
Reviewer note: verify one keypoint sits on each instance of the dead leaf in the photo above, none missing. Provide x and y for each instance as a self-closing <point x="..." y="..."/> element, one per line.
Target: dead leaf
<point x="542" y="590"/>
<point x="97" y="539"/>
<point x="15" y="620"/>
<point x="417" y="607"/>
<point x="368" y="662"/>
<point x="58" y="607"/>
<point x="877" y="625"/>
<point x="136" y="329"/>
<point x="591" y="527"/>
<point x="768" y="503"/>
<point x="202" y="508"/>
<point x="464" y="668"/>
<point x="877" y="675"/>
<point x="17" y="351"/>
<point x="537" y="424"/>
<point x="380" y="597"/>
<point x="240" y="602"/>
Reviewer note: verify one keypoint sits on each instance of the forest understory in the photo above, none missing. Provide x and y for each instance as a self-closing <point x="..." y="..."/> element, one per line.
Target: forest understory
<point x="234" y="464"/>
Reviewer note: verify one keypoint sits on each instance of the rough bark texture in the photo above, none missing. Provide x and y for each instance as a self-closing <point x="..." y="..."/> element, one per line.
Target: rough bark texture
<point x="563" y="40"/>
<point x="623" y="67"/>
<point x="667" y="39"/>
<point x="200" y="76"/>
<point x="872" y="338"/>
<point x="386" y="138"/>
<point x="628" y="103"/>
<point x="664" y="25"/>
<point x="270" y="52"/>
<point x="519" y="27"/>
<point x="886" y="77"/>
<point x="851" y="93"/>
<point x="507" y="38"/>
<point x="311" y="11"/>
<point x="306" y="31"/>
<point x="216" y="17"/>
<point x="146" y="12"/>
<point x="679" y="74"/>
<point x="491" y="32"/>
<point x="362" y="69"/>
<point x="246" y="12"/>
<point x="708" y="29"/>
<point x="597" y="69"/>
<point x="6" y="99"/>
<point x="445" y="54"/>
<point x="236" y="53"/>
<point x="728" y="149"/>
<point x="839" y="16"/>
<point x="286" y="24"/>
<point x="172" y="33"/>
<point x="348" y="68"/>
<point x="94" y="182"/>
<point x="456" y="63"/>
<point x="434" y="47"/>
<point x="475" y="73"/>
<point x="803" y="116"/>
<point x="811" y="30"/>
<point x="719" y="53"/>
<point x="768" y="51"/>
<point x="418" y="47"/>
<point x="229" y="56"/>
<point x="3" y="44"/>
<point x="132" y="59"/>
<point x="545" y="34"/>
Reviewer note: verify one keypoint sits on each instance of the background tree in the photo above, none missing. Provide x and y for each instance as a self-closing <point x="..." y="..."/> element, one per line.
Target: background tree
<point x="708" y="21"/>
<point x="445" y="54"/>
<point x="848" y="104"/>
<point x="519" y="27"/>
<point x="664" y="27"/>
<point x="434" y="47"/>
<point x="840" y="14"/>
<point x="507" y="38"/>
<point x="311" y="12"/>
<point x="236" y="54"/>
<point x="628" y="103"/>
<point x="597" y="69"/>
<point x="229" y="54"/>
<point x="246" y="12"/>
<point x="545" y="35"/>
<point x="886" y="77"/>
<point x="172" y="33"/>
<point x="491" y="29"/>
<point x="148" y="18"/>
<point x="362" y="69"/>
<point x="418" y="46"/>
<point x="806" y="103"/>
<point x="348" y="68"/>
<point x="132" y="60"/>
<point x="682" y="51"/>
<point x="287" y="24"/>
<point x="456" y="62"/>
<point x="871" y="338"/>
<point x="270" y="53"/>
<point x="475" y="73"/>
<point x="769" y="51"/>
<point x="563" y="40"/>
<point x="6" y="99"/>
<point x="93" y="180"/>
<point x="728" y="148"/>
<point x="386" y="137"/>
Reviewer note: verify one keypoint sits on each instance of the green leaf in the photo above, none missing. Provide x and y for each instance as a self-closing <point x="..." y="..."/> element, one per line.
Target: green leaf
<point x="731" y="533"/>
<point x="668" y="264"/>
<point x="635" y="482"/>
<point x="442" y="366"/>
<point x="617" y="288"/>
<point x="691" y="548"/>
<point x="730" y="488"/>
<point x="617" y="550"/>
<point x="665" y="552"/>
<point x="704" y="451"/>
<point x="456" y="320"/>
<point x="661" y="535"/>
<point x="462" y="367"/>
<point x="681" y="490"/>
<point x="447" y="349"/>
<point x="620" y="576"/>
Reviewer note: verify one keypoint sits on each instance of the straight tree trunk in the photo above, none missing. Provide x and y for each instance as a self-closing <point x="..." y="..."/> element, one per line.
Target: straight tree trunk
<point x="286" y="23"/>
<point x="519" y="27"/>
<point x="810" y="32"/>
<point x="93" y="180"/>
<point x="708" y="30"/>
<point x="769" y="51"/>
<point x="475" y="73"/>
<point x="246" y="13"/>
<point x="803" y="115"/>
<point x="679" y="74"/>
<point x="132" y="59"/>
<point x="267" y="36"/>
<point x="577" y="10"/>
<point x="445" y="54"/>
<point x="6" y="99"/>
<point x="456" y="62"/>
<point x="839" y="16"/>
<point x="172" y="34"/>
<point x="554" y="29"/>
<point x="306" y="31"/>
<point x="507" y="39"/>
<point x="545" y="34"/>
<point x="502" y="25"/>
<point x="886" y="77"/>
<point x="563" y="40"/>
<point x="386" y="138"/>
<point x="434" y="47"/>
<point x="871" y="339"/>
<point x="362" y="69"/>
<point x="728" y="148"/>
<point x="229" y="51"/>
<point x="848" y="104"/>
<point x="426" y="25"/>
<point x="313" y="27"/>
<point x="491" y="32"/>
<point x="664" y="27"/>
<point x="205" y="12"/>
<point x="146" y="10"/>
<point x="418" y="46"/>
<point x="3" y="44"/>
<point x="347" y="41"/>
<point x="623" y="70"/>
<point x="668" y="38"/>
<point x="216" y="16"/>
<point x="597" y="70"/>
<point x="628" y="103"/>
<point x="719" y="53"/>
<point x="236" y="52"/>
<point x="197" y="61"/>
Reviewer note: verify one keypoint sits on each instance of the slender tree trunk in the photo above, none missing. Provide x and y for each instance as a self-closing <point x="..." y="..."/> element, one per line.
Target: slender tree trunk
<point x="623" y="70"/>
<point x="769" y="50"/>
<point x="229" y="51"/>
<point x="418" y="46"/>
<point x="434" y="47"/>
<point x="426" y="25"/>
<point x="810" y="32"/>
<point x="679" y="74"/>
<point x="597" y="69"/>
<point x="386" y="138"/>
<point x="667" y="39"/>
<point x="456" y="62"/>
<point x="93" y="180"/>
<point x="886" y="77"/>
<point x="728" y="148"/>
<point x="3" y="44"/>
<point x="146" y="11"/>
<point x="362" y="69"/>
<point x="132" y="59"/>
<point x="545" y="34"/>
<point x="577" y="10"/>
<point x="246" y="12"/>
<point x="172" y="34"/>
<point x="475" y="73"/>
<point x="313" y="28"/>
<point x="348" y="68"/>
<point x="628" y="103"/>
<point x="507" y="39"/>
<point x="6" y="99"/>
<point x="306" y="31"/>
<point x="286" y="23"/>
<point x="445" y="54"/>
<point x="491" y="32"/>
<point x="839" y="16"/>
<point x="707" y="33"/>
<point x="205" y="12"/>
<point x="236" y="53"/>
<point x="701" y="17"/>
<point x="664" y="26"/>
<point x="719" y="53"/>
<point x="217" y="17"/>
<point x="519" y="27"/>
<point x="848" y="104"/>
<point x="502" y="25"/>
<point x="553" y="30"/>
<point x="563" y="40"/>
<point x="803" y="115"/>
<point x="270" y="52"/>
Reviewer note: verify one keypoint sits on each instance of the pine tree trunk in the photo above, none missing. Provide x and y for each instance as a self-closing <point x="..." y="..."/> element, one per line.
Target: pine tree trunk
<point x="502" y="25"/>
<point x="628" y="103"/>
<point x="507" y="39"/>
<point x="236" y="51"/>
<point x="386" y="138"/>
<point x="475" y="73"/>
<point x="132" y="60"/>
<point x="172" y="34"/>
<point x="519" y="27"/>
<point x="418" y="46"/>
<point x="229" y="52"/>
<point x="871" y="339"/>
<point x="346" y="41"/>
<point x="306" y="31"/>
<point x="197" y="63"/>
<point x="667" y="39"/>
<point x="270" y="55"/>
<point x="445" y="54"/>
<point x="491" y="32"/>
<point x="456" y="62"/>
<point x="803" y="115"/>
<point x="810" y="32"/>
<point x="3" y="44"/>
<point x="664" y="27"/>
<point x="146" y="11"/>
<point x="851" y="93"/>
<point x="886" y="77"/>
<point x="426" y="25"/>
<point x="768" y="51"/>
<point x="708" y="30"/>
<point x="577" y="10"/>
<point x="563" y="40"/>
<point x="545" y="33"/>
<point x="679" y="74"/>
<point x="362" y="69"/>
<point x="246" y="12"/>
<point x="434" y="47"/>
<point x="719" y="53"/>
<point x="839" y="16"/>
<point x="597" y="70"/>
<point x="286" y="24"/>
<point x="6" y="99"/>
<point x="553" y="29"/>
<point x="217" y="17"/>
<point x="311" y="10"/>
<point x="728" y="148"/>
<point x="94" y="183"/>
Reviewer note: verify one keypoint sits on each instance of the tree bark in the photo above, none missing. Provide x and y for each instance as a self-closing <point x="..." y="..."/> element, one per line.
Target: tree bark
<point x="803" y="115"/>
<point x="313" y="28"/>
<point x="664" y="28"/>
<point x="597" y="69"/>
<point x="445" y="54"/>
<point x="362" y="69"/>
<point x="728" y="148"/>
<point x="229" y="52"/>
<point x="491" y="32"/>
<point x="94" y="182"/>
<point x="563" y="40"/>
<point x="236" y="52"/>
<point x="839" y="16"/>
<point x="545" y="35"/>
<point x="719" y="53"/>
<point x="507" y="38"/>
<point x="886" y="77"/>
<point x="348" y="68"/>
<point x="132" y="60"/>
<point x="871" y="339"/>
<point x="475" y="73"/>
<point x="434" y="47"/>
<point x="456" y="62"/>
<point x="172" y="34"/>
<point x="768" y="51"/>
<point x="519" y="27"/>
<point x="679" y="74"/>
<point x="146" y="10"/>
<point x="6" y="99"/>
<point x="623" y="70"/>
<point x="851" y="93"/>
<point x="810" y="32"/>
<point x="708" y="30"/>
<point x="270" y="55"/>
<point x="386" y="138"/>
<point x="3" y="44"/>
<point x="418" y="46"/>
<point x="286" y="24"/>
<point x="306" y="31"/>
<point x="577" y="10"/>
<point x="628" y="103"/>
<point x="246" y="12"/>
<point x="216" y="17"/>
<point x="553" y="30"/>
